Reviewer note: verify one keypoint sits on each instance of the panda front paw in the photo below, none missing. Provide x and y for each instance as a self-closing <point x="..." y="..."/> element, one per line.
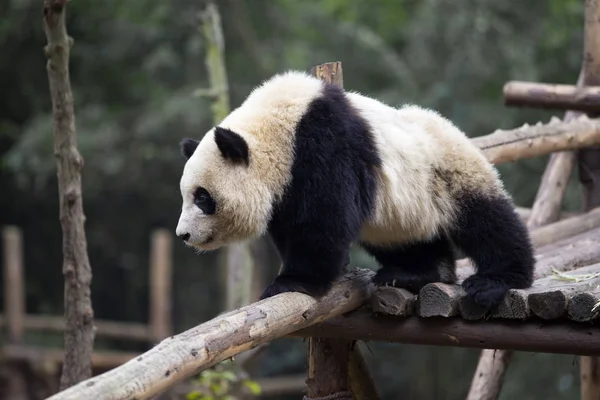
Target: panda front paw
<point x="283" y="284"/>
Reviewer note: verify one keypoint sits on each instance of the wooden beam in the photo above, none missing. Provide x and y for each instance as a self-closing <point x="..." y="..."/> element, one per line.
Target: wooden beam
<point x="505" y="146"/>
<point x="14" y="298"/>
<point x="552" y="96"/>
<point x="181" y="356"/>
<point x="160" y="284"/>
<point x="543" y="337"/>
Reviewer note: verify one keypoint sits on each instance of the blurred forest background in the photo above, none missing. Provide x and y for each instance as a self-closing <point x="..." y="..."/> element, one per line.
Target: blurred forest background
<point x="134" y="68"/>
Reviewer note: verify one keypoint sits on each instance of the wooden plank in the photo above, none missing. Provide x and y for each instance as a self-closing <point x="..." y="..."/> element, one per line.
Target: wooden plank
<point x="14" y="298"/>
<point x="160" y="284"/>
<point x="557" y="337"/>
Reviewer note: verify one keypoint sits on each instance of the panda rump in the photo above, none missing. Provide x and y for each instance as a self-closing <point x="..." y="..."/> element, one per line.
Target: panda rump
<point x="319" y="169"/>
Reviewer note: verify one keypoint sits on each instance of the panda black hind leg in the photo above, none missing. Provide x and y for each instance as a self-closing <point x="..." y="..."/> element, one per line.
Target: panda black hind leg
<point x="490" y="233"/>
<point x="413" y="266"/>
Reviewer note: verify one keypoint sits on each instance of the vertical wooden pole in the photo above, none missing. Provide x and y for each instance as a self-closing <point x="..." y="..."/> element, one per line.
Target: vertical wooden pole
<point x="328" y="358"/>
<point x="336" y="366"/>
<point x="328" y="368"/>
<point x="589" y="172"/>
<point x="14" y="300"/>
<point x="160" y="284"/>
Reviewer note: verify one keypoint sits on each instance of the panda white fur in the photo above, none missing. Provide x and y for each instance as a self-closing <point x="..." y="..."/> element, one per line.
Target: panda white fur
<point x="319" y="168"/>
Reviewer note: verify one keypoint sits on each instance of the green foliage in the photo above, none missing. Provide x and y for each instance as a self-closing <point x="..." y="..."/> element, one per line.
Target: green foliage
<point x="222" y="383"/>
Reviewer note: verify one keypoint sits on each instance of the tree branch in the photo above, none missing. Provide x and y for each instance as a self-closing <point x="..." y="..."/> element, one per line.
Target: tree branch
<point x="79" y="333"/>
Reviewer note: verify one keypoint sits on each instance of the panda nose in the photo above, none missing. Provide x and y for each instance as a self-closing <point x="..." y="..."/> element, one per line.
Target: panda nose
<point x="185" y="237"/>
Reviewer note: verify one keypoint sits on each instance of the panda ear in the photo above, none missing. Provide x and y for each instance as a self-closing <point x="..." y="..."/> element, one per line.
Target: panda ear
<point x="188" y="146"/>
<point x="231" y="145"/>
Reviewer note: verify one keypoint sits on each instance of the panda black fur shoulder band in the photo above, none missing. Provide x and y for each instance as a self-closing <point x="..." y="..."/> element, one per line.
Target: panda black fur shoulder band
<point x="319" y="169"/>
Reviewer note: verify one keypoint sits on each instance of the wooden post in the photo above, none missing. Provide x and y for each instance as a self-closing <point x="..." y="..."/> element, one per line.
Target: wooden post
<point x="332" y="362"/>
<point x="589" y="172"/>
<point x="14" y="299"/>
<point x="328" y="368"/>
<point x="160" y="284"/>
<point x="328" y="358"/>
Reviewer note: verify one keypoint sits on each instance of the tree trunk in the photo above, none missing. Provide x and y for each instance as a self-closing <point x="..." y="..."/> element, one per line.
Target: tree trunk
<point x="79" y="333"/>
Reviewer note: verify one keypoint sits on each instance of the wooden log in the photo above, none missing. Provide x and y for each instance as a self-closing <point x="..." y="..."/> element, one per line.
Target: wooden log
<point x="79" y="335"/>
<point x="360" y="380"/>
<point x="439" y="299"/>
<point x="550" y="195"/>
<point x="14" y="298"/>
<point x="552" y="96"/>
<point x="160" y="284"/>
<point x="558" y="337"/>
<point x="181" y="356"/>
<point x="546" y="234"/>
<point x="549" y="298"/>
<point x="393" y="301"/>
<point x="490" y="373"/>
<point x="328" y="368"/>
<point x="504" y="146"/>
<point x="584" y="307"/>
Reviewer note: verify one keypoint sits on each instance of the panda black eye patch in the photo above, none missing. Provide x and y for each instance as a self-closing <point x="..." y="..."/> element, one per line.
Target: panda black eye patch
<point x="204" y="201"/>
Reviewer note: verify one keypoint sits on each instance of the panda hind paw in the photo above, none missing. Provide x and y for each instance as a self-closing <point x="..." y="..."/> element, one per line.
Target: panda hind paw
<point x="284" y="284"/>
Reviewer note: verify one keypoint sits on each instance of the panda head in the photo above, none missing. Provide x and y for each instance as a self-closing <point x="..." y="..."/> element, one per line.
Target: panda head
<point x="224" y="197"/>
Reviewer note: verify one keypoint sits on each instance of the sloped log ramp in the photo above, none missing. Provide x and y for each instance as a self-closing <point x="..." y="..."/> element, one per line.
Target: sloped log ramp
<point x="548" y="298"/>
<point x="558" y="337"/>
<point x="181" y="356"/>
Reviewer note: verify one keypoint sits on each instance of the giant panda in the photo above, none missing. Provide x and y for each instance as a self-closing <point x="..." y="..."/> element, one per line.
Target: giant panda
<point x="319" y="169"/>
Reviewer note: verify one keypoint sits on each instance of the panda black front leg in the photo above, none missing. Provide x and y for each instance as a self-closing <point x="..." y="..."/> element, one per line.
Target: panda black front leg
<point x="413" y="266"/>
<point x="308" y="270"/>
